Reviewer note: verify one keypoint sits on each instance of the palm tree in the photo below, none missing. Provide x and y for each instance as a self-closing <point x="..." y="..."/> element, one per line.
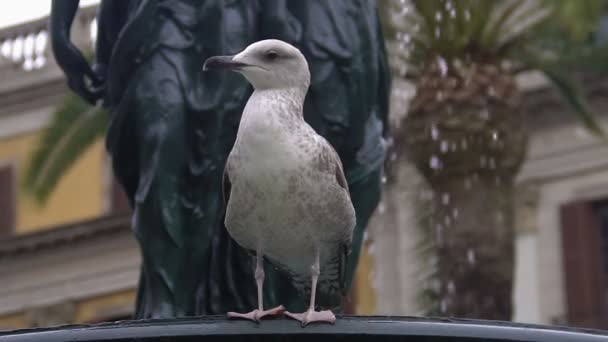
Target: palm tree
<point x="466" y="133"/>
<point x="73" y="129"/>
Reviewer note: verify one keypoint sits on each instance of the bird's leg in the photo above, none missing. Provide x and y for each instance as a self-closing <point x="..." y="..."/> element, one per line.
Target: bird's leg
<point x="258" y="313"/>
<point x="311" y="315"/>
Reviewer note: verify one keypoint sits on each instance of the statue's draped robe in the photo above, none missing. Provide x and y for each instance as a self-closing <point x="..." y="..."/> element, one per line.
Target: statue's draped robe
<point x="170" y="133"/>
<point x="173" y="127"/>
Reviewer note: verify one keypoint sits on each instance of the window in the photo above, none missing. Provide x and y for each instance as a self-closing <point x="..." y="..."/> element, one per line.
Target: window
<point x="7" y="200"/>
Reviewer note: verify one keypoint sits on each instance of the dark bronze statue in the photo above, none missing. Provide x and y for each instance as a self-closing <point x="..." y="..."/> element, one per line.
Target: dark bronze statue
<point x="172" y="127"/>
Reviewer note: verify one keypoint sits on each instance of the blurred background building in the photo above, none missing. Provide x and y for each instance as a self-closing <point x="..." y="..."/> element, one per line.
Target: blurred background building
<point x="74" y="260"/>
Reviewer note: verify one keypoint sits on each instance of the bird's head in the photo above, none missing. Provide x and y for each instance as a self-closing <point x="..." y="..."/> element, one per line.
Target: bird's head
<point x="267" y="64"/>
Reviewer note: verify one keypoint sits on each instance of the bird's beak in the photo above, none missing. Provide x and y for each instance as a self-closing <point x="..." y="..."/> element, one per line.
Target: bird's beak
<point x="223" y="63"/>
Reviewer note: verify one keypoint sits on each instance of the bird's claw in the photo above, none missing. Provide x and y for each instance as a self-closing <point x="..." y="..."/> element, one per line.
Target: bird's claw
<point x="311" y="316"/>
<point x="256" y="315"/>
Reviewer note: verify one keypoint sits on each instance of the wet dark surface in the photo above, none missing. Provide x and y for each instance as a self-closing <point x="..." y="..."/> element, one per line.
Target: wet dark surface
<point x="350" y="328"/>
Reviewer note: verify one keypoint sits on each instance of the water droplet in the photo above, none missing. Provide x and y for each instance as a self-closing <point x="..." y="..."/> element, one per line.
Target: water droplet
<point x="383" y="179"/>
<point x="435" y="163"/>
<point x="492" y="163"/>
<point x="455" y="213"/>
<point x="471" y="256"/>
<point x="444" y="146"/>
<point x="444" y="306"/>
<point x="381" y="208"/>
<point x="447" y="221"/>
<point x="484" y="114"/>
<point x="448" y="5"/>
<point x="443" y="66"/>
<point x="434" y="132"/>
<point x="495" y="136"/>
<point x="453" y="147"/>
<point x="438" y="16"/>
<point x="445" y="198"/>
<point x="451" y="287"/>
<point x="437" y="32"/>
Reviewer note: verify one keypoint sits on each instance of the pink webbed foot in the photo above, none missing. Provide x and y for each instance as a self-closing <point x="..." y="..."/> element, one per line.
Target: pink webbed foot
<point x="311" y="316"/>
<point x="256" y="315"/>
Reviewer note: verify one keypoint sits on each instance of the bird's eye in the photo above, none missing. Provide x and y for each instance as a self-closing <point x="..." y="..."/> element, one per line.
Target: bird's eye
<point x="271" y="55"/>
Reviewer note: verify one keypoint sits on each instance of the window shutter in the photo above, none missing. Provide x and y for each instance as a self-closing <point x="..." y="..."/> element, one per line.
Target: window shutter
<point x="7" y="201"/>
<point x="585" y="278"/>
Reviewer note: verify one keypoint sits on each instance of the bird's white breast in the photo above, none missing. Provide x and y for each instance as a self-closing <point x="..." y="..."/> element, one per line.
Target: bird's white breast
<point x="276" y="191"/>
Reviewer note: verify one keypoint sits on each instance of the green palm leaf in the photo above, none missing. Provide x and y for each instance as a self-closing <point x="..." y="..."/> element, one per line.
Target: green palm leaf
<point x="572" y="94"/>
<point x="553" y="69"/>
<point x="75" y="126"/>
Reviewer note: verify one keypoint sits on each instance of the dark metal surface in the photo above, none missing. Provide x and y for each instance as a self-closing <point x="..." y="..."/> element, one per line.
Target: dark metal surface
<point x="359" y="328"/>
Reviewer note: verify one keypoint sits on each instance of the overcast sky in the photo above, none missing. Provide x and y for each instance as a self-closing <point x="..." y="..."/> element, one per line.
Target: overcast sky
<point x="18" y="11"/>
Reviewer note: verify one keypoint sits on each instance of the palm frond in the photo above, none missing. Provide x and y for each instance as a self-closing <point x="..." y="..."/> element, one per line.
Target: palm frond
<point x="523" y="20"/>
<point x="574" y="96"/>
<point x="553" y="69"/>
<point x="75" y="126"/>
<point x="482" y="28"/>
<point x="497" y="21"/>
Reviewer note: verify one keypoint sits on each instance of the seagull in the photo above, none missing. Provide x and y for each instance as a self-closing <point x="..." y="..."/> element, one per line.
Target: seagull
<point x="286" y="196"/>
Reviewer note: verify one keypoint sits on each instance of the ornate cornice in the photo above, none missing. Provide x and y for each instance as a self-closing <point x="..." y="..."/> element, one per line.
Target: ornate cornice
<point x="53" y="237"/>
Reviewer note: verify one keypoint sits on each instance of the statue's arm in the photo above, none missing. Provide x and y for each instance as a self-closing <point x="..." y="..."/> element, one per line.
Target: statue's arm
<point x="67" y="55"/>
<point x="111" y="18"/>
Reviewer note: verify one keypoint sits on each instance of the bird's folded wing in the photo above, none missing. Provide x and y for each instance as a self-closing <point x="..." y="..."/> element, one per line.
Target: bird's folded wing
<point x="335" y="165"/>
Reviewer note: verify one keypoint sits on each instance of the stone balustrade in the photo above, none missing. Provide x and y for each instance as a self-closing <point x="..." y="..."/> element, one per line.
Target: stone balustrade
<point x="31" y="78"/>
<point x="25" y="47"/>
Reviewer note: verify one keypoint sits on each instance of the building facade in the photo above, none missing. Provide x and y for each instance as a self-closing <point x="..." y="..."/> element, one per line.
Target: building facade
<point x="561" y="217"/>
<point x="72" y="259"/>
